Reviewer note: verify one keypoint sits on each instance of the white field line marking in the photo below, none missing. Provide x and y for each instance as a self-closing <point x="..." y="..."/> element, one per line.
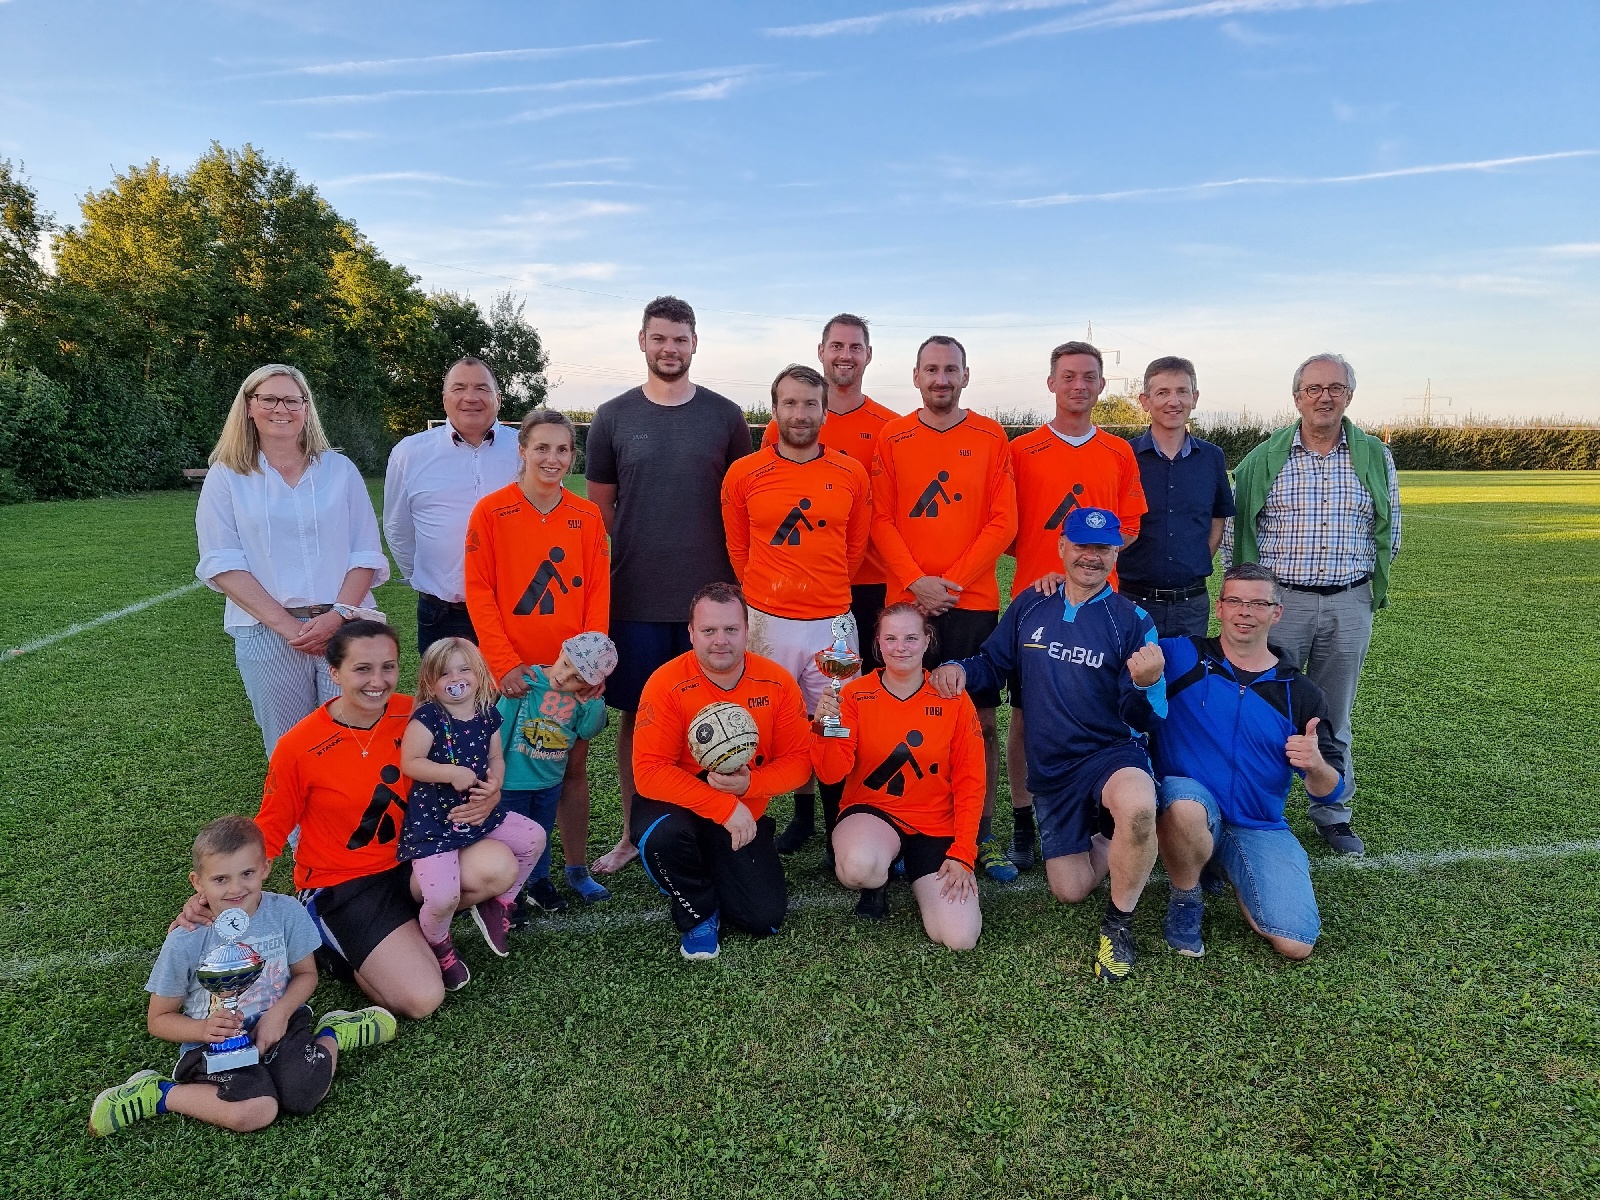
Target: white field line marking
<point x="15" y="970"/>
<point x="102" y="619"/>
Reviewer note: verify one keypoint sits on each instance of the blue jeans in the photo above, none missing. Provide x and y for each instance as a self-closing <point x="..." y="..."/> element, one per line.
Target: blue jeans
<point x="539" y="806"/>
<point x="1180" y="618"/>
<point x="1267" y="867"/>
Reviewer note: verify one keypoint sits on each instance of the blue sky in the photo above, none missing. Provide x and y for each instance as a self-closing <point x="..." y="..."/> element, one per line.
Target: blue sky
<point x="1244" y="182"/>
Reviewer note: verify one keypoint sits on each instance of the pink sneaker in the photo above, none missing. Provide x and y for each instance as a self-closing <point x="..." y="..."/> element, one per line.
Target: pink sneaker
<point x="450" y="965"/>
<point x="493" y="920"/>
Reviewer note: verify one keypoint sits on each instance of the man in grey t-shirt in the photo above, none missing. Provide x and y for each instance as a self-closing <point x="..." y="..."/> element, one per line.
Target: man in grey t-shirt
<point x="654" y="462"/>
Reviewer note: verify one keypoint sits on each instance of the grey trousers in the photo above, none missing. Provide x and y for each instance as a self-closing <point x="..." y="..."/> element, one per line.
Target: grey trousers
<point x="1327" y="637"/>
<point x="284" y="685"/>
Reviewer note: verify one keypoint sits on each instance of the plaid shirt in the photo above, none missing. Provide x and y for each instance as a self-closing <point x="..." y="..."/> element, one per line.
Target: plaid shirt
<point x="1315" y="528"/>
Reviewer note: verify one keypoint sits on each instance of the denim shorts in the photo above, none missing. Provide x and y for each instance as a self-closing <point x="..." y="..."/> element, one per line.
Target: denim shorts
<point x="1267" y="867"/>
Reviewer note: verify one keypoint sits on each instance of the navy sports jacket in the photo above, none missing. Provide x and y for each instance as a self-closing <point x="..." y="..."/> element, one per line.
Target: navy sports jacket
<point x="1230" y="736"/>
<point x="1080" y="697"/>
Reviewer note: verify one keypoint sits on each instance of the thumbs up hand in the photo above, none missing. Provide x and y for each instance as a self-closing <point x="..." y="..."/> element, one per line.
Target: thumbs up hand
<point x="1302" y="748"/>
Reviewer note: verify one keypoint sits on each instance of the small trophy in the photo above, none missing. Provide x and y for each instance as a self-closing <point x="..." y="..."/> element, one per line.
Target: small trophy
<point x="227" y="973"/>
<point x="838" y="663"/>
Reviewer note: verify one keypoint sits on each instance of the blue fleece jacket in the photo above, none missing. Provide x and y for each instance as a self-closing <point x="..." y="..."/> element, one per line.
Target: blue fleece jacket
<point x="1078" y="694"/>
<point x="1229" y="734"/>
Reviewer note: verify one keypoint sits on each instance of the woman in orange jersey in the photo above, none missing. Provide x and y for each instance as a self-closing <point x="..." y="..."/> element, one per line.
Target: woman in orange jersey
<point x="337" y="776"/>
<point x="912" y="767"/>
<point x="538" y="571"/>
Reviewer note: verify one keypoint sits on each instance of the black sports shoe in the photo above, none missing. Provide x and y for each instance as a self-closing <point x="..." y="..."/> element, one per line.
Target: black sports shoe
<point x="1342" y="840"/>
<point x="1021" y="855"/>
<point x="521" y="913"/>
<point x="1114" y="957"/>
<point x="827" y="866"/>
<point x="874" y="903"/>
<point x="543" y="893"/>
<point x="795" y="834"/>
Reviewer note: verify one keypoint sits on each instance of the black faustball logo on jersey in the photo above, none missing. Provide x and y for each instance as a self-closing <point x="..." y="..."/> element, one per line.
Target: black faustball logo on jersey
<point x="539" y="594"/>
<point x="788" y="533"/>
<point x="1068" y="503"/>
<point x="889" y="775"/>
<point x="933" y="495"/>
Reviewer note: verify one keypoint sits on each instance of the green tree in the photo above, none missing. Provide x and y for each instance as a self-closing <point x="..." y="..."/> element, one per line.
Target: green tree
<point x="22" y="230"/>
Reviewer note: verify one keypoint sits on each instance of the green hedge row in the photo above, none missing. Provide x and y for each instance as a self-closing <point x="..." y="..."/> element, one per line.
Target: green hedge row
<point x="1414" y="449"/>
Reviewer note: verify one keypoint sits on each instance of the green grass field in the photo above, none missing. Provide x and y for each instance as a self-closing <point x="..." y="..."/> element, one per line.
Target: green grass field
<point x="1443" y="1041"/>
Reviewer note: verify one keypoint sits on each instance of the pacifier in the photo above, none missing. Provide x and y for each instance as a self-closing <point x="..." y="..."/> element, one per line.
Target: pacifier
<point x="456" y="690"/>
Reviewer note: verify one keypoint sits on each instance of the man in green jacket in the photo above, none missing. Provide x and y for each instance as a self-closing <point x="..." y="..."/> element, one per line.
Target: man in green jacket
<point x="1319" y="503"/>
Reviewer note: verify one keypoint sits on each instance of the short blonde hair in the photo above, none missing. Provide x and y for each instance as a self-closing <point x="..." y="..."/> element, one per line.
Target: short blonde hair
<point x="436" y="661"/>
<point x="239" y="448"/>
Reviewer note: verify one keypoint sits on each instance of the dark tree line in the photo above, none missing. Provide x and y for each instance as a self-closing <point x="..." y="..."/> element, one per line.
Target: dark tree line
<point x="119" y="361"/>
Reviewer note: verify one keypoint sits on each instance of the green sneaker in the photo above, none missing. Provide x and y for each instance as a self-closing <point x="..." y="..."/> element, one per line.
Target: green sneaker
<point x="993" y="862"/>
<point x="372" y="1026"/>
<point x="120" y="1106"/>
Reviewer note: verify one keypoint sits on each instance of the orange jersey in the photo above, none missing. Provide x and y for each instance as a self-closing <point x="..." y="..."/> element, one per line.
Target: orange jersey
<point x="919" y="760"/>
<point x="663" y="768"/>
<point x="349" y="806"/>
<point x="856" y="434"/>
<point x="943" y="503"/>
<point x="797" y="531"/>
<point x="534" y="579"/>
<point x="1053" y="478"/>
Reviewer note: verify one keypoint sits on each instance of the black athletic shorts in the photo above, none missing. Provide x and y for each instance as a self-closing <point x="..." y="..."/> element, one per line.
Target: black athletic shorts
<point x="866" y="602"/>
<point x="1069" y="817"/>
<point x="296" y="1072"/>
<point x="642" y="647"/>
<point x="961" y="633"/>
<point x="355" y="916"/>
<point x="923" y="853"/>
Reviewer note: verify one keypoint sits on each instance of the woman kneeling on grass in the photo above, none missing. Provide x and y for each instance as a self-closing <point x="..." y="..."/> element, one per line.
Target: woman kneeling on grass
<point x="912" y="766"/>
<point x="337" y="776"/>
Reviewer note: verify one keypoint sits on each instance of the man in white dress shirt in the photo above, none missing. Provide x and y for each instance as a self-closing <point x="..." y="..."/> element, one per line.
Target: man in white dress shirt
<point x="434" y="479"/>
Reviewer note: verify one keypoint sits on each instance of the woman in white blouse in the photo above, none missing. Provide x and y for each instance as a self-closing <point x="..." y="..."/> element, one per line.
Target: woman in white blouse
<point x="287" y="532"/>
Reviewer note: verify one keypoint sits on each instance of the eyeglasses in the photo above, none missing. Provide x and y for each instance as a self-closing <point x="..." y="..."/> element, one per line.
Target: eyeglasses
<point x="1259" y="607"/>
<point x="287" y="403"/>
<point x="1336" y="391"/>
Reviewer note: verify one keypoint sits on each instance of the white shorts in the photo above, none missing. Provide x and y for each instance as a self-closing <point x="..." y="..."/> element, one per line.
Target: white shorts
<point x="793" y="644"/>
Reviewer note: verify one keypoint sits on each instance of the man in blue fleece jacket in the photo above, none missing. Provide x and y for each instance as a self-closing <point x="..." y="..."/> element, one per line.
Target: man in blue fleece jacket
<point x="1091" y="670"/>
<point x="1240" y="724"/>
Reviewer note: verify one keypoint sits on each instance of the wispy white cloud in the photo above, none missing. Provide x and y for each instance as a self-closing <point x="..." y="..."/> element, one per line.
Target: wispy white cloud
<point x="377" y="66"/>
<point x="1245" y="35"/>
<point x="1487" y="164"/>
<point x="584" y="183"/>
<point x="1151" y="12"/>
<point x="555" y="85"/>
<point x="928" y="14"/>
<point x="1573" y="250"/>
<point x="720" y="89"/>
<point x="403" y="177"/>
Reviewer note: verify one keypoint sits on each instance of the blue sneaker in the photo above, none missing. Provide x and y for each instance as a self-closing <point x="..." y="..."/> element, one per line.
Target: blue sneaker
<point x="701" y="941"/>
<point x="589" y="891"/>
<point x="993" y="862"/>
<point x="1182" y="926"/>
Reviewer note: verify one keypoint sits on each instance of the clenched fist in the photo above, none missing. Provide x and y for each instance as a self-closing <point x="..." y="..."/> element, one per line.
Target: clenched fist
<point x="1145" y="664"/>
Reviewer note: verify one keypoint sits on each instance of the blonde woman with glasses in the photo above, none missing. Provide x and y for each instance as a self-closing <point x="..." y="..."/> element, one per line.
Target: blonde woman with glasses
<point x="288" y="534"/>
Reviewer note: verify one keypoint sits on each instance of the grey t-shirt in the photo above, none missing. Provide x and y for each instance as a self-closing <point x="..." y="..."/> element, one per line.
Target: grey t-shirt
<point x="667" y="464"/>
<point x="281" y="932"/>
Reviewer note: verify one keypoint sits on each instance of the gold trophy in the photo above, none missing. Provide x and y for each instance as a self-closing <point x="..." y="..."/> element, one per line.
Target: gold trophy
<point x="839" y="663"/>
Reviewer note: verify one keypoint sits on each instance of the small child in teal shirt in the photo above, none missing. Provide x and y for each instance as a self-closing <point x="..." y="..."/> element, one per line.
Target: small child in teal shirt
<point x="563" y="705"/>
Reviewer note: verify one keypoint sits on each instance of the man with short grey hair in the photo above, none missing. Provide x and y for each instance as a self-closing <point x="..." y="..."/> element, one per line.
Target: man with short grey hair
<point x="1319" y="503"/>
<point x="434" y="479"/>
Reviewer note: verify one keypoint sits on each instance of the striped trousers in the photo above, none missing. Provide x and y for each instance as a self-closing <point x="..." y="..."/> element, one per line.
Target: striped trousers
<point x="284" y="685"/>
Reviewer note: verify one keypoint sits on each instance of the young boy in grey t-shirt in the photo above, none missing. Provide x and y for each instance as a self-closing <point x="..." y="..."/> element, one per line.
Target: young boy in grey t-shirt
<point x="298" y="1055"/>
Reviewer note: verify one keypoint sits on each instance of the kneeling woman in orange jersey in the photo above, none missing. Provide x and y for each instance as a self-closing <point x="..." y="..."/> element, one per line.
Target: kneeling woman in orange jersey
<point x="912" y="767"/>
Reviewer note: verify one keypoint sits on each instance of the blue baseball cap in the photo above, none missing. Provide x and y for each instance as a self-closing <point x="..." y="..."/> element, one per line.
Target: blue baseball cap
<point x="1092" y="527"/>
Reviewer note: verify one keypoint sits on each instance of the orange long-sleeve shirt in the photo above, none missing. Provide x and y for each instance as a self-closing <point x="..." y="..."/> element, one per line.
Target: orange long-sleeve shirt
<point x="1054" y="477"/>
<point x="856" y="434"/>
<point x="663" y="768"/>
<point x="349" y="805"/>
<point x="944" y="503"/>
<point x="534" y="579"/>
<point x="920" y="760"/>
<point x="797" y="531"/>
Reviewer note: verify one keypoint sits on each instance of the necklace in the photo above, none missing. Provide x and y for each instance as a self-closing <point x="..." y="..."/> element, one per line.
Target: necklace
<point x="371" y="737"/>
<point x="450" y="749"/>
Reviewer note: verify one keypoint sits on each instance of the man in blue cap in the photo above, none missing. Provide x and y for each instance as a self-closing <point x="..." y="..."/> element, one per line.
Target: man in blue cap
<point x="1092" y="671"/>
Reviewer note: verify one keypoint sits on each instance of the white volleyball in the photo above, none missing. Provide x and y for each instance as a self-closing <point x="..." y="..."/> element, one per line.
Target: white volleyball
<point x="723" y="737"/>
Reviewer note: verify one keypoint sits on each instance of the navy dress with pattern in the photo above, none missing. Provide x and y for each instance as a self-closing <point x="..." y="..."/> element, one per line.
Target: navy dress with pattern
<point x="428" y="829"/>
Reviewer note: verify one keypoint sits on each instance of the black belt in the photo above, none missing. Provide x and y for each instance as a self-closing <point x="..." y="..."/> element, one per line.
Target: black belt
<point x="450" y="604"/>
<point x="310" y="610"/>
<point x="1162" y="595"/>
<point x="1328" y="589"/>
